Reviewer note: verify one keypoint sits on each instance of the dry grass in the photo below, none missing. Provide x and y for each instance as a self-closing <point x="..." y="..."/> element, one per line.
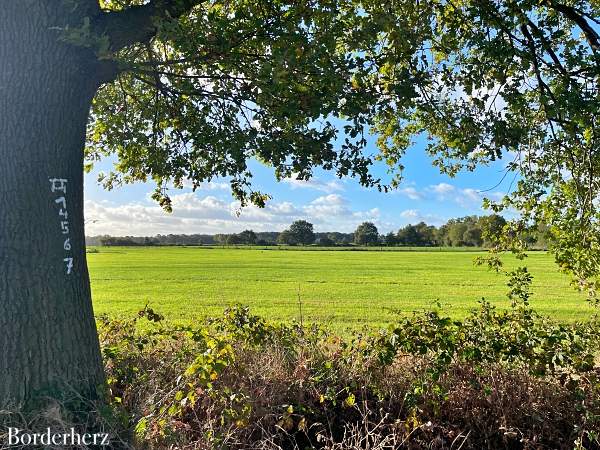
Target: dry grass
<point x="313" y="393"/>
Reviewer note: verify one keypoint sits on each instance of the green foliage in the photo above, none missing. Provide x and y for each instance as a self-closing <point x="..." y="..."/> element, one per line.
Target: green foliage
<point x="517" y="336"/>
<point x="514" y="80"/>
<point x="366" y="234"/>
<point x="248" y="237"/>
<point x="286" y="238"/>
<point x="463" y="231"/>
<point x="469" y="231"/>
<point x="417" y="235"/>
<point x="390" y="239"/>
<point x="300" y="232"/>
<point x="231" y="81"/>
<point x="325" y="241"/>
<point x="492" y="227"/>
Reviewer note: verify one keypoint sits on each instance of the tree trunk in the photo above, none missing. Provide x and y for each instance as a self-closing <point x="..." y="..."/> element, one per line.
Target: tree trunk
<point x="48" y="339"/>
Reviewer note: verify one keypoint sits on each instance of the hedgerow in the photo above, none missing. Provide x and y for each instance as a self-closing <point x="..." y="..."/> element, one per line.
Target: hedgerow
<point x="498" y="379"/>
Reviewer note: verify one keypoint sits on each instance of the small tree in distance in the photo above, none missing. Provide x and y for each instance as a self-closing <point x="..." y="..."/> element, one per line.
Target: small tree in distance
<point x="234" y="239"/>
<point x="408" y="235"/>
<point x="302" y="232"/>
<point x="366" y="234"/>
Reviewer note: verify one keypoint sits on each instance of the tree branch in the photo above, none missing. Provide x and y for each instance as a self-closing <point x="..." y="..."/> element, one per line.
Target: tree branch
<point x="546" y="45"/>
<point x="137" y="23"/>
<point x="572" y="14"/>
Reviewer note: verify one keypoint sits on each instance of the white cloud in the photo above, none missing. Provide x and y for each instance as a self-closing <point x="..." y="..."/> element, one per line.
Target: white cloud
<point x="214" y="186"/>
<point x="208" y="185"/>
<point x="471" y="195"/>
<point x="415" y="216"/>
<point x="316" y="184"/>
<point x="441" y="192"/>
<point x="193" y="213"/>
<point x="332" y="205"/>
<point x="492" y="97"/>
<point x="371" y="215"/>
<point x="331" y="199"/>
<point x="442" y="188"/>
<point x="472" y="198"/>
<point x="411" y="193"/>
<point x="465" y="197"/>
<point x="256" y="124"/>
<point x="410" y="214"/>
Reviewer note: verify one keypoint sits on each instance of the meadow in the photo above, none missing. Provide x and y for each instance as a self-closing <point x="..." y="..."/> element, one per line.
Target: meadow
<point x="341" y="288"/>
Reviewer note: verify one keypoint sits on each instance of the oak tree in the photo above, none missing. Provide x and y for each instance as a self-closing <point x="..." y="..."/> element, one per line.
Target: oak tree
<point x="177" y="90"/>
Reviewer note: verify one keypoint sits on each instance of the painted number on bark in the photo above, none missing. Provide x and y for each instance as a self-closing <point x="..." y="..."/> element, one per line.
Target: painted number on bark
<point x="59" y="187"/>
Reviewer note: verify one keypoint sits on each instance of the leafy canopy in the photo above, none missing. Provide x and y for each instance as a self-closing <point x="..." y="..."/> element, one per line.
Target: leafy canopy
<point x="515" y="79"/>
<point x="302" y="232"/>
<point x="366" y="234"/>
<point x="202" y="87"/>
<point x="231" y="81"/>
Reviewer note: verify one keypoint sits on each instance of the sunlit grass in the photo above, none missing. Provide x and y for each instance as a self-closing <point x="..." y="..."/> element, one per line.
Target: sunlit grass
<point x="347" y="288"/>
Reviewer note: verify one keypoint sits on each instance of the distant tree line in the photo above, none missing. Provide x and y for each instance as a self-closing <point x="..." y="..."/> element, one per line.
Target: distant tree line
<point x="159" y="239"/>
<point x="469" y="231"/>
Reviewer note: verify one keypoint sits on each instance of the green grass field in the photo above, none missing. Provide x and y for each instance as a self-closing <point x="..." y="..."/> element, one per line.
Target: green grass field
<point x="346" y="288"/>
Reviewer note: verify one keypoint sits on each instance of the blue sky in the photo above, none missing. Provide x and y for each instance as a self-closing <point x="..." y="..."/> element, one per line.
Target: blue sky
<point x="331" y="204"/>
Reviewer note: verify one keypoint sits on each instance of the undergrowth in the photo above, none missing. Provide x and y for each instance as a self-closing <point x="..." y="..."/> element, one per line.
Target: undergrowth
<point x="509" y="379"/>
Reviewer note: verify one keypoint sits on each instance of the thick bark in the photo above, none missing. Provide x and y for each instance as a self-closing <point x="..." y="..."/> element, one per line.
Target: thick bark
<point x="136" y="23"/>
<point x="48" y="338"/>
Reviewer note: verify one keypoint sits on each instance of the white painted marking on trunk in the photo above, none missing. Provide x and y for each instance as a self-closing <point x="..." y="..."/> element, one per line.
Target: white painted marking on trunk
<point x="60" y="185"/>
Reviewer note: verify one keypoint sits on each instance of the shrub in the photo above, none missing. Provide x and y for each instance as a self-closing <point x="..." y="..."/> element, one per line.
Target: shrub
<point x="497" y="380"/>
